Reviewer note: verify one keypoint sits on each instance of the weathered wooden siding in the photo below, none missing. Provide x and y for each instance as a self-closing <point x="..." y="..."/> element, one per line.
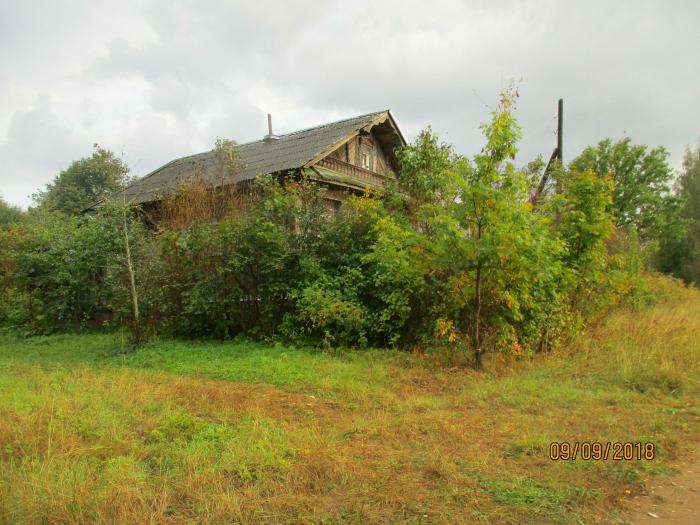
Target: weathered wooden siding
<point x="353" y="150"/>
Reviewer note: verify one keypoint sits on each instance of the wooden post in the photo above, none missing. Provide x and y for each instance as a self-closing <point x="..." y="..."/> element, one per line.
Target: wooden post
<point x="557" y="154"/>
<point x="560" y="130"/>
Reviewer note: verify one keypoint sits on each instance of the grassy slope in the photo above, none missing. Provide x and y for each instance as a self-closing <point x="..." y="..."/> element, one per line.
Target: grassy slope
<point x="248" y="433"/>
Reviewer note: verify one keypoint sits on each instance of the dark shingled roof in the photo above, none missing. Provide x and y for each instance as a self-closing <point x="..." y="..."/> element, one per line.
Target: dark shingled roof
<point x="287" y="152"/>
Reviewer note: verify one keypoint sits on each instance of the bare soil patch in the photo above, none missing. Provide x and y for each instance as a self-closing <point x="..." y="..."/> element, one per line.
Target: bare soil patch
<point x="675" y="499"/>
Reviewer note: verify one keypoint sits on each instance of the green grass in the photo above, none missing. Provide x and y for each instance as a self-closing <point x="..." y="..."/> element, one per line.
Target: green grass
<point x="182" y="432"/>
<point x="353" y="374"/>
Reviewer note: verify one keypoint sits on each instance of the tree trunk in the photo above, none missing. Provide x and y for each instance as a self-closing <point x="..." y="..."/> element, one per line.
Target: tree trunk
<point x="476" y="335"/>
<point x="132" y="280"/>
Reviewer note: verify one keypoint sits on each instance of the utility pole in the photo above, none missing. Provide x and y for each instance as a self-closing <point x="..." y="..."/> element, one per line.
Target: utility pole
<point x="557" y="154"/>
<point x="560" y="131"/>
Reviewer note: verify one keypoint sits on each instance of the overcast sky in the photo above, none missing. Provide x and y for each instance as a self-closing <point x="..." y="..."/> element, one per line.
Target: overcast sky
<point x="156" y="80"/>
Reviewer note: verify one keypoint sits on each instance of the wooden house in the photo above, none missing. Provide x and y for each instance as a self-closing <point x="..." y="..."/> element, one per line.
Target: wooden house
<point x="348" y="155"/>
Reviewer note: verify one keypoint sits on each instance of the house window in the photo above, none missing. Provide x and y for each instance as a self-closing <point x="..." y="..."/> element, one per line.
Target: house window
<point x="365" y="161"/>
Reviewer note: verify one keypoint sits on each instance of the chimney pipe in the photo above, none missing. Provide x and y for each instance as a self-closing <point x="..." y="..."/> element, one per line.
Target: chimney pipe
<point x="270" y="135"/>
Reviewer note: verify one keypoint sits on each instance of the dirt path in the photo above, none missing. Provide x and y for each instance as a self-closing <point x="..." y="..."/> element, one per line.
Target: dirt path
<point x="674" y="500"/>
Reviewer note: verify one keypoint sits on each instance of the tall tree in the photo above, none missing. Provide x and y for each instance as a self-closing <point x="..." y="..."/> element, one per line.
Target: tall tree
<point x="8" y="213"/>
<point x="642" y="196"/>
<point x="491" y="253"/>
<point x="680" y="248"/>
<point x="85" y="182"/>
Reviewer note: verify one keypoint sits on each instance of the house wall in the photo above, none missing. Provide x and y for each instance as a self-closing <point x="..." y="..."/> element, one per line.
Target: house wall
<point x="353" y="150"/>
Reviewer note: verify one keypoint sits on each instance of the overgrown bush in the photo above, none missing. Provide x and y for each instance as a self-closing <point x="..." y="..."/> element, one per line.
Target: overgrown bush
<point x="67" y="272"/>
<point x="456" y="255"/>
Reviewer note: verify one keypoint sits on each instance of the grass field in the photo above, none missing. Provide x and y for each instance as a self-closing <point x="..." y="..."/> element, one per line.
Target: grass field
<point x="248" y="433"/>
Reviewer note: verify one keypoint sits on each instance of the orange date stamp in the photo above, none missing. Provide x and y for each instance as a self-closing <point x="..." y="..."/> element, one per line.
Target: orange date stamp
<point x="601" y="451"/>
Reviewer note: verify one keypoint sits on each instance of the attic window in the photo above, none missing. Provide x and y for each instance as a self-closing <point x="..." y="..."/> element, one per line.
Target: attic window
<point x="365" y="161"/>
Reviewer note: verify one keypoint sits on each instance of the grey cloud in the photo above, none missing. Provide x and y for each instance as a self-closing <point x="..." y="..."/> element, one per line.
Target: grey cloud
<point x="35" y="146"/>
<point x="200" y="72"/>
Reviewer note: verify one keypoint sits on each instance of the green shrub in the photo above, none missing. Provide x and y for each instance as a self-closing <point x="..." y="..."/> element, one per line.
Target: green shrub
<point x="455" y="255"/>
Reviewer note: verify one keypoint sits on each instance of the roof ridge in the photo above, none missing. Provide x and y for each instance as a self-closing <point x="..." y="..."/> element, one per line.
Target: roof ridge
<point x="333" y="122"/>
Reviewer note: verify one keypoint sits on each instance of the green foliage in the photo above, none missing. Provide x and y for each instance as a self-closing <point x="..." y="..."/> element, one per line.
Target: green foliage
<point x="64" y="272"/>
<point x="679" y="252"/>
<point x="55" y="279"/>
<point x="9" y="214"/>
<point x="226" y="149"/>
<point x="238" y="274"/>
<point x="14" y="299"/>
<point x="328" y="316"/>
<point x="426" y="167"/>
<point x="84" y="182"/>
<point x="455" y="256"/>
<point x="395" y="270"/>
<point x="497" y="257"/>
<point x="642" y="194"/>
<point x="583" y="222"/>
